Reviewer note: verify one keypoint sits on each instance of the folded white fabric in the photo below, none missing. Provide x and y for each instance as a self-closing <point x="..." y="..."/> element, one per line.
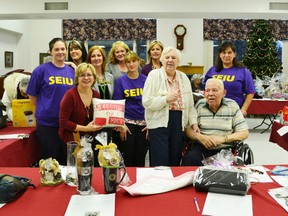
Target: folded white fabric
<point x="156" y="184"/>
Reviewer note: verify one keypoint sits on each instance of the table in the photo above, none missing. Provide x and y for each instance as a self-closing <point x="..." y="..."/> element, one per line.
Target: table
<point x="276" y="138"/>
<point x="54" y="200"/>
<point x="19" y="152"/>
<point x="267" y="107"/>
<point x="190" y="70"/>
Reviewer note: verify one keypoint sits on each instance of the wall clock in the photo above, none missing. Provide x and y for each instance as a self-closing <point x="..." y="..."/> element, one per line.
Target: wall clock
<point x="180" y="32"/>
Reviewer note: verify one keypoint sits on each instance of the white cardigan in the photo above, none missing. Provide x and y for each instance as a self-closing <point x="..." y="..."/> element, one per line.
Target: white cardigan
<point x="154" y="100"/>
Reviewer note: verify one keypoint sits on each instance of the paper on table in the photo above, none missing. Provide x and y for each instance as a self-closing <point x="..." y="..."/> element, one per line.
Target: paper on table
<point x="145" y="172"/>
<point x="1" y="205"/>
<point x="14" y="136"/>
<point x="157" y="184"/>
<point x="223" y="204"/>
<point x="83" y="205"/>
<point x="281" y="180"/>
<point x="257" y="177"/>
<point x="198" y="94"/>
<point x="283" y="130"/>
<point x="283" y="191"/>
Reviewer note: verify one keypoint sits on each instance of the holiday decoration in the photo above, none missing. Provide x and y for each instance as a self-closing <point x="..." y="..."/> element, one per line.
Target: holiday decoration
<point x="261" y="55"/>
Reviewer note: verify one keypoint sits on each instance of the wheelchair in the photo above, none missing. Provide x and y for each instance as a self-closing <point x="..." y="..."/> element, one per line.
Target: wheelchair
<point x="243" y="153"/>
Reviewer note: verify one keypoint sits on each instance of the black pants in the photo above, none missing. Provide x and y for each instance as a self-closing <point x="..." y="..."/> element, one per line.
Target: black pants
<point x="51" y="144"/>
<point x="166" y="144"/>
<point x="134" y="150"/>
<point x="196" y="154"/>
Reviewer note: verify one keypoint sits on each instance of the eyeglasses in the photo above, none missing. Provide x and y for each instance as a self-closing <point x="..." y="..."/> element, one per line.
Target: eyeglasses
<point x="86" y="75"/>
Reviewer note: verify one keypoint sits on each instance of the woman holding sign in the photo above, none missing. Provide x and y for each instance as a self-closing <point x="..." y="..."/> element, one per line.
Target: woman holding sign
<point x="76" y="108"/>
<point x="129" y="86"/>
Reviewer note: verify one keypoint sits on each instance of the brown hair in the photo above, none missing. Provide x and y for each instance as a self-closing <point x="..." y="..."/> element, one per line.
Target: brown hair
<point x="151" y="45"/>
<point x="91" y="50"/>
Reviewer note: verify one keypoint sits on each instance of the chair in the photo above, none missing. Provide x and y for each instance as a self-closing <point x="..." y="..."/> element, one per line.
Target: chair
<point x="242" y="151"/>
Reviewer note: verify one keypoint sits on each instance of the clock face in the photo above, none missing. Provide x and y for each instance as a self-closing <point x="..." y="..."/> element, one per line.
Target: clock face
<point x="180" y="30"/>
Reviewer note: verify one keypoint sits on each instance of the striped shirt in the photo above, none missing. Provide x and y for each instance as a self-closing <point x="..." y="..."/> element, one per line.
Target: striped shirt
<point x="227" y="120"/>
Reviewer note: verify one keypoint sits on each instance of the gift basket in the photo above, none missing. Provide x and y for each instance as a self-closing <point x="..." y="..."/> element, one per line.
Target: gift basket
<point x="110" y="157"/>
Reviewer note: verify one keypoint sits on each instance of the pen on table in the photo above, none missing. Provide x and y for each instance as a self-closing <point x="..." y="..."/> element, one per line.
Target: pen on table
<point x="196" y="204"/>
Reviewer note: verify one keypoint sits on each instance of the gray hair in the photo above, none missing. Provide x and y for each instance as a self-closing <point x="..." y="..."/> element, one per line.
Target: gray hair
<point x="195" y="76"/>
<point x="167" y="50"/>
<point x="219" y="83"/>
<point x="23" y="84"/>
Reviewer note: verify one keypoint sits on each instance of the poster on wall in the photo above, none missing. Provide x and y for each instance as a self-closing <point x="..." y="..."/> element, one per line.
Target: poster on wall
<point x="8" y="59"/>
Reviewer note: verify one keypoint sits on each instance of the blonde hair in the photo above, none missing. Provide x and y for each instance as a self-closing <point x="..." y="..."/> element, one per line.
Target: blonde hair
<point x="81" y="69"/>
<point x="111" y="56"/>
<point x="131" y="56"/>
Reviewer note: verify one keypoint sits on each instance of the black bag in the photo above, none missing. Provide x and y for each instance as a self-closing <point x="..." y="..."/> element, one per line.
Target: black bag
<point x="11" y="187"/>
<point x="3" y="119"/>
<point x="245" y="153"/>
<point x="221" y="181"/>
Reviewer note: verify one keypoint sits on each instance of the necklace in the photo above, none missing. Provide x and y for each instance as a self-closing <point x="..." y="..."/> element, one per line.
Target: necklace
<point x="87" y="111"/>
<point x="102" y="84"/>
<point x="155" y="67"/>
<point x="86" y="98"/>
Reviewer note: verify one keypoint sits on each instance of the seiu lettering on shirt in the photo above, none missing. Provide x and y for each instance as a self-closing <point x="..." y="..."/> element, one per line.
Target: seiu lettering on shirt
<point x="133" y="92"/>
<point x="58" y="80"/>
<point x="227" y="78"/>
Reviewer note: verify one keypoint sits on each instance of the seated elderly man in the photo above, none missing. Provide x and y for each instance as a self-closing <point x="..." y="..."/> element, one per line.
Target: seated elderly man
<point x="220" y="121"/>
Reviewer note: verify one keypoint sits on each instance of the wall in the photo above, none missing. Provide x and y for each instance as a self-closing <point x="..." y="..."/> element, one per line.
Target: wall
<point x="15" y="37"/>
<point x="38" y="33"/>
<point x="193" y="40"/>
<point x="28" y="38"/>
<point x="42" y="31"/>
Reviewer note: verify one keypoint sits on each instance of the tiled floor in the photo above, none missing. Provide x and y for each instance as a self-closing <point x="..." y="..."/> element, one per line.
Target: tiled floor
<point x="264" y="151"/>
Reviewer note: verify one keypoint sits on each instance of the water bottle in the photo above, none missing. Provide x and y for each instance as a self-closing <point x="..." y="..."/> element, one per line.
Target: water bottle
<point x="85" y="165"/>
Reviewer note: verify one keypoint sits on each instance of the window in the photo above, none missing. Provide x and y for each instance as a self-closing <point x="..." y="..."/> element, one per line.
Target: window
<point x="241" y="47"/>
<point x="138" y="46"/>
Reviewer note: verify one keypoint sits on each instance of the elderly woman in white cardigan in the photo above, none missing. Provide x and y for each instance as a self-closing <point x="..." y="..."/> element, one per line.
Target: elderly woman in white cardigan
<point x="169" y="109"/>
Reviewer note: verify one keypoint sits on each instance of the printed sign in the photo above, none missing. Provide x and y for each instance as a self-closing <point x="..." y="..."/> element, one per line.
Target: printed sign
<point x="108" y="113"/>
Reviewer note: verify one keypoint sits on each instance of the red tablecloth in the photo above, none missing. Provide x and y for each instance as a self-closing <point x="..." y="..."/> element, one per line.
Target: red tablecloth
<point x="262" y="106"/>
<point x="276" y="138"/>
<point x="19" y="152"/>
<point x="54" y="200"/>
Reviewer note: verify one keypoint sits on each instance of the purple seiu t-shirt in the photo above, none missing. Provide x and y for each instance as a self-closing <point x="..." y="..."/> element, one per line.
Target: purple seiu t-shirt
<point x="49" y="83"/>
<point x="238" y="82"/>
<point x="131" y="90"/>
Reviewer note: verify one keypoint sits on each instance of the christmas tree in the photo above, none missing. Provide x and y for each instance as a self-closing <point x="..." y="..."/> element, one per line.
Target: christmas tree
<point x="261" y="56"/>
